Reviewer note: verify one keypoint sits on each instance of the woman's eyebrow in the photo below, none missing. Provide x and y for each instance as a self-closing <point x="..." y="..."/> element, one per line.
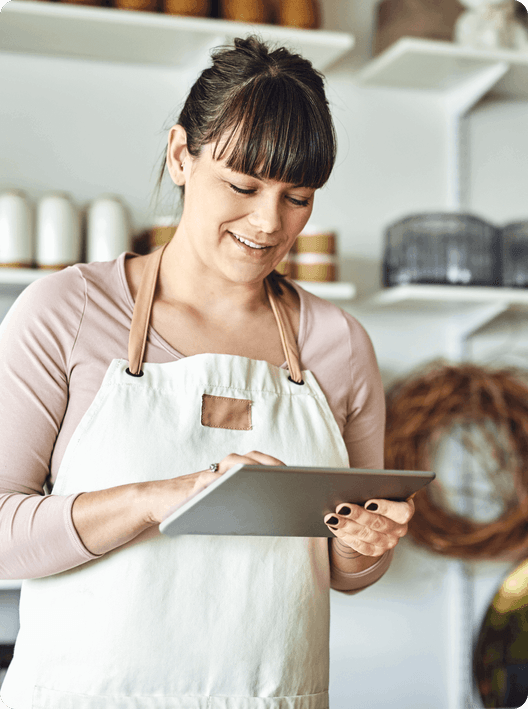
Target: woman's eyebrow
<point x="260" y="178"/>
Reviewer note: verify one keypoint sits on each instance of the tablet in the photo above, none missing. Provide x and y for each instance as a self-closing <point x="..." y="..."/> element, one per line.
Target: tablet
<point x="285" y="501"/>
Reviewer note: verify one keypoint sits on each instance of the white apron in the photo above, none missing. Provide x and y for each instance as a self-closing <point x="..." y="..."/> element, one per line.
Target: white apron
<point x="192" y="622"/>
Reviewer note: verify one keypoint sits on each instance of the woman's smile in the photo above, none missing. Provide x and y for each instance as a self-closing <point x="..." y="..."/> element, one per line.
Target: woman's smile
<point x="251" y="248"/>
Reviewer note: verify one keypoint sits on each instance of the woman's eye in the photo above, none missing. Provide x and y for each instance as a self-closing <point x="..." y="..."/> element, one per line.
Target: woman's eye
<point x="239" y="190"/>
<point x="299" y="202"/>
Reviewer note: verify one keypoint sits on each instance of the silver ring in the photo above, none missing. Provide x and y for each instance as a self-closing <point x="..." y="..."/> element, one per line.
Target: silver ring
<point x="214" y="467"/>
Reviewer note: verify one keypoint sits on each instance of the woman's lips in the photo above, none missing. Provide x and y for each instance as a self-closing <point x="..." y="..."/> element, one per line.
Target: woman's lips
<point x="249" y="249"/>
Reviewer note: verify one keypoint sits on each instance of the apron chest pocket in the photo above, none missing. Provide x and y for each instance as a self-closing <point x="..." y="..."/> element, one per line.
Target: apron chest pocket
<point x="226" y="412"/>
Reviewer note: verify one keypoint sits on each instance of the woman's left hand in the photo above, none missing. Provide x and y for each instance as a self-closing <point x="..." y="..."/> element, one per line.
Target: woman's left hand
<point x="371" y="532"/>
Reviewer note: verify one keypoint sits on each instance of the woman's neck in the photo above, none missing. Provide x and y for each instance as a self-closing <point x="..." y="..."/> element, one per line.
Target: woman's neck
<point x="186" y="279"/>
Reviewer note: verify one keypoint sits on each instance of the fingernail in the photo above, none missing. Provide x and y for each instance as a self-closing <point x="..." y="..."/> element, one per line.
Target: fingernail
<point x="332" y="520"/>
<point x="372" y="507"/>
<point x="344" y="510"/>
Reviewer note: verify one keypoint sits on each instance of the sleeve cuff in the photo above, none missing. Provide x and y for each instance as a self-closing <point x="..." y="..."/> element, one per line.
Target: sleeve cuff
<point x="354" y="582"/>
<point x="74" y="534"/>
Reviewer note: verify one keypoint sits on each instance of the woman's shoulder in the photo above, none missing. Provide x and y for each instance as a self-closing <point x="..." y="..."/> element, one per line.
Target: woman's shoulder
<point x="61" y="297"/>
<point x="77" y="280"/>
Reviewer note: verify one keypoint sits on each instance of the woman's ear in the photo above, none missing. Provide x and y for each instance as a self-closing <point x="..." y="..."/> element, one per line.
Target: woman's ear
<point x="177" y="154"/>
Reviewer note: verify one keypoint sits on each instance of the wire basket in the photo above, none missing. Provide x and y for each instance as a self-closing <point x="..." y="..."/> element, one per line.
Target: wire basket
<point x="442" y="248"/>
<point x="515" y="255"/>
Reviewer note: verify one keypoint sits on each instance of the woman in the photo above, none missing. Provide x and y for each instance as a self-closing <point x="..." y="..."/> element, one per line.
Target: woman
<point x="120" y="380"/>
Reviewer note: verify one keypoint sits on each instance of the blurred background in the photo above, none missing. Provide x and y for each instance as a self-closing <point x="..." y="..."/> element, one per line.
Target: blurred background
<point x="421" y="233"/>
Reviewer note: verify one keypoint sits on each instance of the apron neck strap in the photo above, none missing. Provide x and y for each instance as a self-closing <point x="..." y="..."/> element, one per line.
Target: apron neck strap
<point x="137" y="338"/>
<point x="287" y="335"/>
<point x="143" y="307"/>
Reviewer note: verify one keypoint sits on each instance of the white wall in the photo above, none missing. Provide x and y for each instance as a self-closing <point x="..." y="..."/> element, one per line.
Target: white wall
<point x="390" y="643"/>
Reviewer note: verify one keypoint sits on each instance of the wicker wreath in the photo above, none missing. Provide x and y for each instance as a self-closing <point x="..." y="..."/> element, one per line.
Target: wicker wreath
<point x="425" y="407"/>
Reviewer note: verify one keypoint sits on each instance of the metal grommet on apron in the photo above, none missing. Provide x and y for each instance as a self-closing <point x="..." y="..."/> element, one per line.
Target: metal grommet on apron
<point x="195" y="621"/>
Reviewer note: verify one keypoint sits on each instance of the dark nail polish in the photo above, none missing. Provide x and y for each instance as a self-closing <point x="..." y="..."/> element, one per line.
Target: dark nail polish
<point x="344" y="511"/>
<point x="373" y="507"/>
<point x="332" y="520"/>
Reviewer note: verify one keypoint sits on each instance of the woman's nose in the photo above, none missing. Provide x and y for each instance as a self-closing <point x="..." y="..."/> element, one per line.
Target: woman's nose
<point x="266" y="216"/>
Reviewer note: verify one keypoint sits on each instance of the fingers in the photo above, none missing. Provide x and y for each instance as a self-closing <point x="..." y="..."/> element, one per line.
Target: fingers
<point x="363" y="530"/>
<point x="360" y="543"/>
<point x="373" y="529"/>
<point x="263" y="459"/>
<point x="357" y="517"/>
<point x="252" y="458"/>
<point x="399" y="512"/>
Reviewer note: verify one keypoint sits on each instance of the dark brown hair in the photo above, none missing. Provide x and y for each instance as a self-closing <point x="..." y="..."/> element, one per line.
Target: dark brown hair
<point x="269" y="108"/>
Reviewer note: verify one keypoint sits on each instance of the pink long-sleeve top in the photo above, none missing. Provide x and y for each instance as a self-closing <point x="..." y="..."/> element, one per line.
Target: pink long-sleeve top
<point x="56" y="344"/>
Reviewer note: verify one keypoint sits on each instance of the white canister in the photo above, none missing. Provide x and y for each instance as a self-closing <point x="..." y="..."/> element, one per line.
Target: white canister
<point x="16" y="230"/>
<point x="108" y="229"/>
<point x="58" y="231"/>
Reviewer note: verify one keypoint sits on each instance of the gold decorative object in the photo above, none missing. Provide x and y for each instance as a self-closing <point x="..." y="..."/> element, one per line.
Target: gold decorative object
<point x="501" y="651"/>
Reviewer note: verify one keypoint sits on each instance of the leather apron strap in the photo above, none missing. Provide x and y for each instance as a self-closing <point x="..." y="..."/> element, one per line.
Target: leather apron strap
<point x="137" y="338"/>
<point x="289" y="343"/>
<point x="143" y="307"/>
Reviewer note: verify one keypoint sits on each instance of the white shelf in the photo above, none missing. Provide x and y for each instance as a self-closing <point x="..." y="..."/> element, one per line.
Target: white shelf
<point x="10" y="585"/>
<point x="330" y="291"/>
<point x="22" y="276"/>
<point x="128" y="36"/>
<point x="468" y="308"/>
<point x="445" y="67"/>
<point x="414" y="293"/>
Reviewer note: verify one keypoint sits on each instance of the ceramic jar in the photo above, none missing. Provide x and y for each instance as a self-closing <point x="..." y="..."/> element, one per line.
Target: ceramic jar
<point x="58" y="231"/>
<point x="108" y="229"/>
<point x="16" y="230"/>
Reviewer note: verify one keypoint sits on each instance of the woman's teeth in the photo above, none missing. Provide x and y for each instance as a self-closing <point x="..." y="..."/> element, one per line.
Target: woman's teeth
<point x="248" y="243"/>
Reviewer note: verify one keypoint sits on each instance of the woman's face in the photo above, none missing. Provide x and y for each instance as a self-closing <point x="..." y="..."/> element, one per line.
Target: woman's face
<point x="223" y="209"/>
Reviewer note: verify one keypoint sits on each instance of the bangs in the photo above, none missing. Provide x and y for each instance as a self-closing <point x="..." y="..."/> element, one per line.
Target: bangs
<point x="272" y="130"/>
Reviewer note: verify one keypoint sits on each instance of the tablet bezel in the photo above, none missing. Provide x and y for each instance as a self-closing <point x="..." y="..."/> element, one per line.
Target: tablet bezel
<point x="232" y="504"/>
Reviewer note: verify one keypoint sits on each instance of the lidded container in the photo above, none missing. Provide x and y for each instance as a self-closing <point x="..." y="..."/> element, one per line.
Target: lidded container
<point x="192" y="8"/>
<point x="515" y="255"/>
<point x="58" y="231"/>
<point x="162" y="231"/>
<point x="442" y="248"/>
<point x="138" y="5"/>
<point x="16" y="230"/>
<point x="108" y="231"/>
<point x="315" y="255"/>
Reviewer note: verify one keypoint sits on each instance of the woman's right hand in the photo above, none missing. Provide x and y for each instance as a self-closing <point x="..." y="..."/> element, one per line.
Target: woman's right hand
<point x="109" y="519"/>
<point x="167" y="495"/>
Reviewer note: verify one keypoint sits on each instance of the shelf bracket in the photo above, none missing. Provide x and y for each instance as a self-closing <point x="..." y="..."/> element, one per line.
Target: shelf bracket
<point x="464" y="324"/>
<point x="457" y="104"/>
